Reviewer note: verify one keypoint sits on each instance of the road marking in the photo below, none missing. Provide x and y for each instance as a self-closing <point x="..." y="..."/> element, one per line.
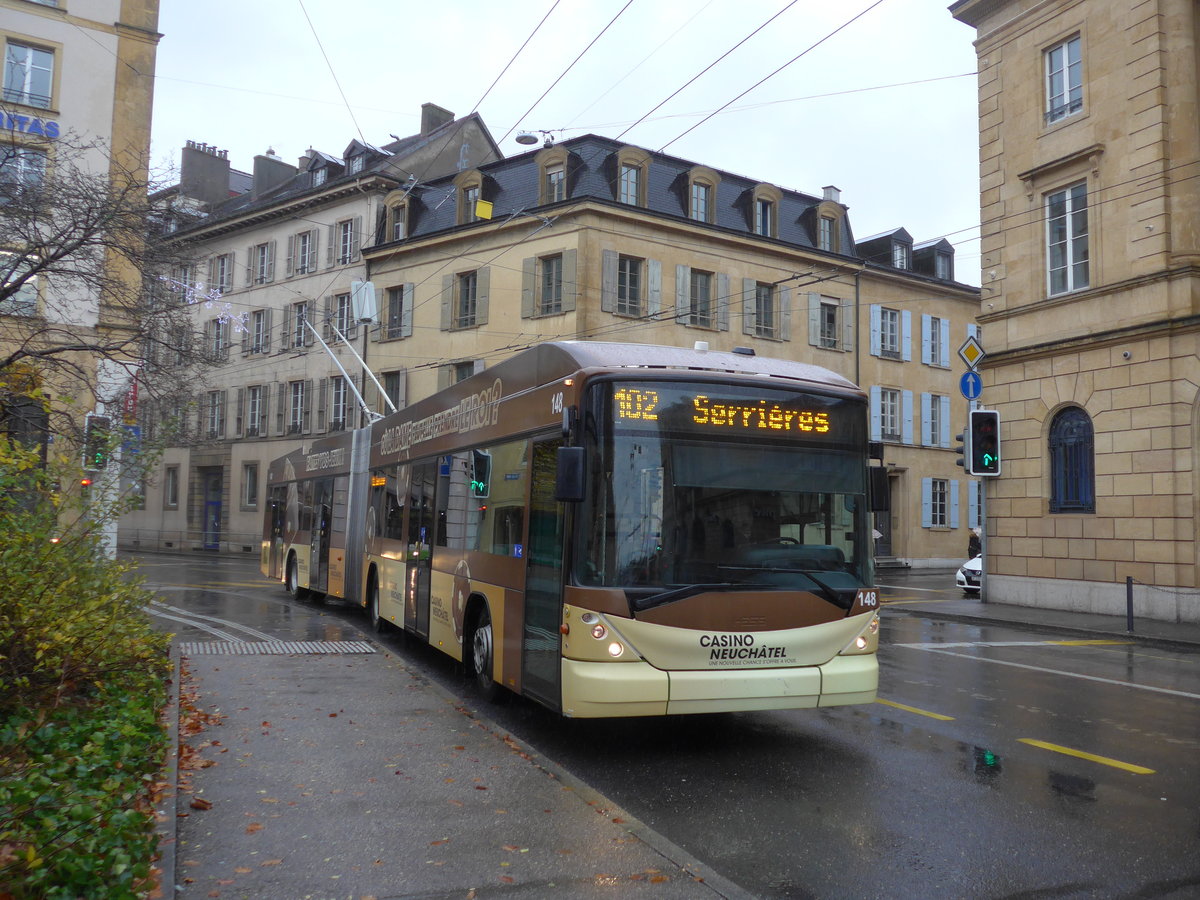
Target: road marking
<point x="909" y="587"/>
<point x="1080" y="754"/>
<point x="192" y="618"/>
<point x="913" y="709"/>
<point x="1087" y="643"/>
<point x="936" y="648"/>
<point x="887" y="602"/>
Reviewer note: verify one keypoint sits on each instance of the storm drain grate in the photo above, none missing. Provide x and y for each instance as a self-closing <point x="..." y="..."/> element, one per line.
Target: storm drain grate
<point x="270" y="648"/>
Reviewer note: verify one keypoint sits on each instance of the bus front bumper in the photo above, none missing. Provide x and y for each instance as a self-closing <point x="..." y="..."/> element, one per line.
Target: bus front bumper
<point x="603" y="689"/>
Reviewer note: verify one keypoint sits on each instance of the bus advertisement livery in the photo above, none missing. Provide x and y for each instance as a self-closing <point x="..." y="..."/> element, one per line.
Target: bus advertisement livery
<point x="609" y="529"/>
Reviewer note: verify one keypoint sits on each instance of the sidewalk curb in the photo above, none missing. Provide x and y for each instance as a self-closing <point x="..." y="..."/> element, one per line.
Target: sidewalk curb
<point x="1051" y="627"/>
<point x="166" y="812"/>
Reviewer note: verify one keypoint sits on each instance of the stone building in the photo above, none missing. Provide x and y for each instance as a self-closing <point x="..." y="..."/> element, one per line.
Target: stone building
<point x="588" y="238"/>
<point x="1089" y="149"/>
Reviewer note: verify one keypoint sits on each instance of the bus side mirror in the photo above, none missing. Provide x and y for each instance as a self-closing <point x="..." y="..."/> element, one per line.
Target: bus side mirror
<point x="569" y="476"/>
<point x="881" y="495"/>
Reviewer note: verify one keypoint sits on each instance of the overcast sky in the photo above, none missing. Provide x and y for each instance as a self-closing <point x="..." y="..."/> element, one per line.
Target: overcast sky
<point x="885" y="108"/>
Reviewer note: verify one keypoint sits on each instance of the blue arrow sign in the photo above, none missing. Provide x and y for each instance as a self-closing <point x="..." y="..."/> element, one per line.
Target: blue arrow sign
<point x="971" y="385"/>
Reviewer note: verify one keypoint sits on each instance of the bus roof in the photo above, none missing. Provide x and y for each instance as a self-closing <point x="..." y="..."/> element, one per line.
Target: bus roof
<point x="604" y="354"/>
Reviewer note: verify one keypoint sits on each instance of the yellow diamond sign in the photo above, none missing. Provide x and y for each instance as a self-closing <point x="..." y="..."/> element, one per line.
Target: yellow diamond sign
<point x="971" y="352"/>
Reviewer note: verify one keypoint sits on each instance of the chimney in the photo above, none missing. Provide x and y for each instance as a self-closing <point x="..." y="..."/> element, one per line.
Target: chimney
<point x="302" y="162"/>
<point x="204" y="173"/>
<point x="270" y="171"/>
<point x="434" y="117"/>
<point x="832" y="193"/>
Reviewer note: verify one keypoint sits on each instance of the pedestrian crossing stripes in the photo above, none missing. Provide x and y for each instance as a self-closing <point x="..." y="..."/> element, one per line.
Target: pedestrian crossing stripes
<point x="271" y="648"/>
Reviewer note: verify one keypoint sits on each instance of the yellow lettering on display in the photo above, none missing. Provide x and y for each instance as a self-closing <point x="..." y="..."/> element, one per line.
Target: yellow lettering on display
<point x="772" y="417"/>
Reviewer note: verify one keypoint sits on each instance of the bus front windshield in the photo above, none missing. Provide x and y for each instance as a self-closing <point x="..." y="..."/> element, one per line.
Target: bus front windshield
<point x="696" y="484"/>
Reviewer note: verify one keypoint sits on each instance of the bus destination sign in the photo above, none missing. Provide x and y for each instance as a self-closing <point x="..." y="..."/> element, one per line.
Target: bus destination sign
<point x="695" y="409"/>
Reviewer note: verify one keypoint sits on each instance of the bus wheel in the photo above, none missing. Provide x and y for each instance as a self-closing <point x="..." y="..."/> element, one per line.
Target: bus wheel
<point x="483" y="656"/>
<point x="291" y="580"/>
<point x="373" y="618"/>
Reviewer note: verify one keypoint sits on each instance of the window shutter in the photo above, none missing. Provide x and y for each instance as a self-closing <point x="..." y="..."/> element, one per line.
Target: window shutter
<point x="314" y="241"/>
<point x="271" y="261"/>
<point x="309" y="334"/>
<point x="239" y="418"/>
<point x="926" y="417"/>
<point x="246" y="334"/>
<point x="478" y="366"/>
<point x="306" y="418"/>
<point x="906" y="402"/>
<point x="264" y="399"/>
<point x="322" y="393"/>
<point x="954" y="503"/>
<point x="608" y="281"/>
<point x="814" y="319"/>
<point x="331" y="246"/>
<point x="221" y="400"/>
<point x="653" y="287"/>
<point x="289" y="266"/>
<point x="926" y="502"/>
<point x="723" y="301"/>
<point x="785" y="313"/>
<point x="444" y="377"/>
<point x="528" y="285"/>
<point x="483" y="283"/>
<point x="356" y="239"/>
<point x="212" y="275"/>
<point x="926" y="343"/>
<point x="266" y="346"/>
<point x="749" y="305"/>
<point x="570" y="289"/>
<point x="683" y="277"/>
<point x="846" y="313"/>
<point x="973" y="330"/>
<point x="973" y="503"/>
<point x="448" y="289"/>
<point x="945" y="335"/>
<point x="876" y="328"/>
<point x="906" y="335"/>
<point x="945" y="422"/>
<point x="201" y="414"/>
<point x="876" y="415"/>
<point x="406" y="310"/>
<point x="281" y="407"/>
<point x="250" y="265"/>
<point x="325" y="332"/>
<point x="285" y="333"/>
<point x="207" y="337"/>
<point x="401" y="398"/>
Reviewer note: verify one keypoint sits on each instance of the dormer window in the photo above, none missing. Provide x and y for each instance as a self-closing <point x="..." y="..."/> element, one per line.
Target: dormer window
<point x="319" y="176"/>
<point x="552" y="174"/>
<point x="702" y="194"/>
<point x="633" y="165"/>
<point x="765" y="201"/>
<point x="470" y="193"/>
<point x="901" y="256"/>
<point x="398" y="216"/>
<point x="355" y="164"/>
<point x="943" y="266"/>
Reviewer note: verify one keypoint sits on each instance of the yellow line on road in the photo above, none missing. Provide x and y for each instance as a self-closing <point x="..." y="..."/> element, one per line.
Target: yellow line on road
<point x="1080" y="754"/>
<point x="913" y="709"/>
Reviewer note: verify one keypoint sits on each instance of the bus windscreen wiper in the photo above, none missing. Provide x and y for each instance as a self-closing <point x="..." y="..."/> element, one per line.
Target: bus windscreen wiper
<point x="837" y="598"/>
<point x="641" y="604"/>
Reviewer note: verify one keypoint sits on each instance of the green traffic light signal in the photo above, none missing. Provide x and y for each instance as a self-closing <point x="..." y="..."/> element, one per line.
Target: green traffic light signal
<point x="985" y="442"/>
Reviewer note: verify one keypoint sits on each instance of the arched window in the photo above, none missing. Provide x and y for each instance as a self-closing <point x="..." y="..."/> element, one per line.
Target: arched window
<point x="1072" y="462"/>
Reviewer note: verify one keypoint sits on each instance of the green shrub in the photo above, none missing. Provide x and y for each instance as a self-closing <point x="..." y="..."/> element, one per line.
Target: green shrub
<point x="82" y="683"/>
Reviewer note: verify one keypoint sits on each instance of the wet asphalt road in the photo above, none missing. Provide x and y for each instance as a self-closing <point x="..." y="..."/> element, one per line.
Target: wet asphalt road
<point x="1001" y="763"/>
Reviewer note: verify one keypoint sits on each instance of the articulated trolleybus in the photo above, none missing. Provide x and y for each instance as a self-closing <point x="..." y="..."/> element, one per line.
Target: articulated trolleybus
<point x="609" y="529"/>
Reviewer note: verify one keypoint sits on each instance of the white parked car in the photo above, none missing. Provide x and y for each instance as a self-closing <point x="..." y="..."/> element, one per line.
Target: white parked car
<point x="969" y="574"/>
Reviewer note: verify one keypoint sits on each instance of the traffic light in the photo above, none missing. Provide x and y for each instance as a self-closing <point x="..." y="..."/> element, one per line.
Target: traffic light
<point x="984" y="447"/>
<point x="481" y="473"/>
<point x="96" y="442"/>
<point x="962" y="450"/>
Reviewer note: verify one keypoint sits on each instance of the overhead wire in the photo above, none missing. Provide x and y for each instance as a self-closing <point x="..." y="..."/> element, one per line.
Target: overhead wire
<point x="332" y="73"/>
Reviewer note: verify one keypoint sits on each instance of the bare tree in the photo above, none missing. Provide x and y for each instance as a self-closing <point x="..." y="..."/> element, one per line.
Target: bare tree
<point x="86" y="287"/>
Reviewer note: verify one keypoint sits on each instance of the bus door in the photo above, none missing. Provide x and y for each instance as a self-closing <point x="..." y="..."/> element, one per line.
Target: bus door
<point x="275" y="532"/>
<point x="318" y="566"/>
<point x="422" y="520"/>
<point x="541" y="654"/>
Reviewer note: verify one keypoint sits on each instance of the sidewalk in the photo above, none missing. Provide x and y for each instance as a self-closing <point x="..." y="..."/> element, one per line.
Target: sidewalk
<point x="973" y="610"/>
<point x="348" y="775"/>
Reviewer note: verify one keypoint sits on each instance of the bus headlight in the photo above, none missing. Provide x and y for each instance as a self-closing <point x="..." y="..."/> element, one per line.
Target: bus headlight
<point x="866" y="642"/>
<point x="599" y="632"/>
<point x="615" y="649"/>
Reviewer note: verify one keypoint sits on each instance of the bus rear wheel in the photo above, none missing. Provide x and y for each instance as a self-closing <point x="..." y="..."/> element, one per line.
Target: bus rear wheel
<point x="373" y="617"/>
<point x="483" y="656"/>
<point x="291" y="579"/>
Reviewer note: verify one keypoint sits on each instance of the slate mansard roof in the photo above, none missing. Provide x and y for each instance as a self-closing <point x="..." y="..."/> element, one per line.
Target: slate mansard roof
<point x="513" y="186"/>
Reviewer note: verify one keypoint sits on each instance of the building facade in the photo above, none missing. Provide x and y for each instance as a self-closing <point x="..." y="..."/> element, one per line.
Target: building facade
<point x="274" y="257"/>
<point x="77" y="91"/>
<point x="593" y="239"/>
<point x="1089" y="149"/>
